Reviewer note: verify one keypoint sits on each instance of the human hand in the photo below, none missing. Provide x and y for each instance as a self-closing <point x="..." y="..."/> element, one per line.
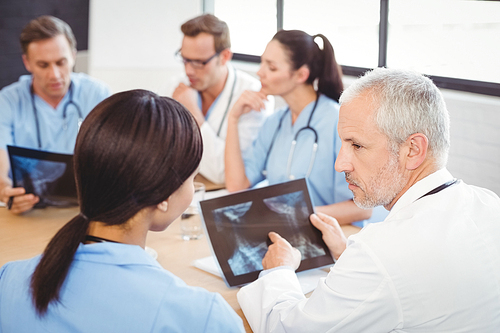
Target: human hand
<point x="249" y="100"/>
<point x="281" y="253"/>
<point x="21" y="202"/>
<point x="188" y="97"/>
<point x="332" y="233"/>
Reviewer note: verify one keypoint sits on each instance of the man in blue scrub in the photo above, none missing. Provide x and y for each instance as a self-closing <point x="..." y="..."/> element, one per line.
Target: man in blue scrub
<point x="43" y="110"/>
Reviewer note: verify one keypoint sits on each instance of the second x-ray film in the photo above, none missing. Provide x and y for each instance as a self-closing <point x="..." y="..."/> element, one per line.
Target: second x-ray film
<point x="238" y="225"/>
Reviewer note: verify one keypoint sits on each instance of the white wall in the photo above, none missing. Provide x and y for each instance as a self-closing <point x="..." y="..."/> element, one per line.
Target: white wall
<point x="132" y="45"/>
<point x="475" y="138"/>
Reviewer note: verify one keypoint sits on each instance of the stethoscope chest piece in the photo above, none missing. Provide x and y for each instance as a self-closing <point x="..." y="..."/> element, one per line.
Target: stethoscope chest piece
<point x="308" y="127"/>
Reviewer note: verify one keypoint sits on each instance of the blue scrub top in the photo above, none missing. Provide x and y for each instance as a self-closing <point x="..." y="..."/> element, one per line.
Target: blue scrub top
<point x="326" y="185"/>
<point x="113" y="288"/>
<point x="17" y="120"/>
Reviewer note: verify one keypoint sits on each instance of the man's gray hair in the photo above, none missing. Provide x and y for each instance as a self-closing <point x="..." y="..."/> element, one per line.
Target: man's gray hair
<point x="408" y="103"/>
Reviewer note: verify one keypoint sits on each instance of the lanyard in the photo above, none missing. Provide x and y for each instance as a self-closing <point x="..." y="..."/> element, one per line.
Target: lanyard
<point x="90" y="238"/>
<point x="440" y="188"/>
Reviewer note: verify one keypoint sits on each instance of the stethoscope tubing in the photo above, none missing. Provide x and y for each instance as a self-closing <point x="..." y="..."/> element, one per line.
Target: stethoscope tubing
<point x="294" y="143"/>
<point x="228" y="103"/>
<point x="65" y="126"/>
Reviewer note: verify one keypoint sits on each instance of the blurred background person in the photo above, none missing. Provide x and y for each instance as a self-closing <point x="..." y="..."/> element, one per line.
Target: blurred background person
<point x="45" y="109"/>
<point x="214" y="86"/>
<point x="301" y="139"/>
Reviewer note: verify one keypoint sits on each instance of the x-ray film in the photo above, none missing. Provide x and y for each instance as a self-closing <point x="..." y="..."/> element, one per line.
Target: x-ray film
<point x="238" y="225"/>
<point x="47" y="175"/>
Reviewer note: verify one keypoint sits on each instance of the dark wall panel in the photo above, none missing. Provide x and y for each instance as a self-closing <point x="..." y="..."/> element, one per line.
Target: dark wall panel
<point x="15" y="14"/>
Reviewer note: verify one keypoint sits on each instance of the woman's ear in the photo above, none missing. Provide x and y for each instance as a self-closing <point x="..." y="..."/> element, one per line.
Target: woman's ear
<point x="417" y="150"/>
<point x="302" y="74"/>
<point x="163" y="206"/>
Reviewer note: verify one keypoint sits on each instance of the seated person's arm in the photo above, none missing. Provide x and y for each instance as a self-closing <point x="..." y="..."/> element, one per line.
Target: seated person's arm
<point x="188" y="97"/>
<point x="21" y="202"/>
<point x="356" y="288"/>
<point x="236" y="178"/>
<point x="345" y="212"/>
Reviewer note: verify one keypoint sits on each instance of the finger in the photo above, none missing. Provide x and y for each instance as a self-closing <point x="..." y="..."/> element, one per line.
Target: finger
<point x="256" y="99"/>
<point x="262" y="95"/>
<point x="318" y="223"/>
<point x="274" y="237"/>
<point x="252" y="103"/>
<point x="259" y="99"/>
<point x="25" y="200"/>
<point x="328" y="219"/>
<point x="24" y="204"/>
<point x="12" y="192"/>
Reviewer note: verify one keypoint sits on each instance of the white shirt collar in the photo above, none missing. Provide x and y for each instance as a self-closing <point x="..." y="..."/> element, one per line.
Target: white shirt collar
<point x="420" y="188"/>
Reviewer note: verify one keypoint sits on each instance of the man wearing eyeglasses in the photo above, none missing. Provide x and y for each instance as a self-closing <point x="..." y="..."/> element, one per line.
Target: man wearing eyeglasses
<point x="214" y="86"/>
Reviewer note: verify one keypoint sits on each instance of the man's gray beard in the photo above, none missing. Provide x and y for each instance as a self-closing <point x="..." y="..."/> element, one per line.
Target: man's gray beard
<point x="384" y="187"/>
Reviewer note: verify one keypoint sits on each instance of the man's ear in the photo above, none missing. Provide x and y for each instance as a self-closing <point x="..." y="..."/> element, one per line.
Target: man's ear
<point x="417" y="145"/>
<point x="74" y="59"/>
<point x="26" y="63"/>
<point x="225" y="56"/>
<point x="302" y="74"/>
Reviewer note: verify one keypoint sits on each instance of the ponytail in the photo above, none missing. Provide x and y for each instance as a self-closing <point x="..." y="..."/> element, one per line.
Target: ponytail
<point x="303" y="50"/>
<point x="330" y="74"/>
<point x="56" y="260"/>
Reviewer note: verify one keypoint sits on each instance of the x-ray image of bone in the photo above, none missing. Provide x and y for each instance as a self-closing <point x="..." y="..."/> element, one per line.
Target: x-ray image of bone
<point x="36" y="176"/>
<point x="247" y="256"/>
<point x="245" y="227"/>
<point x="292" y="206"/>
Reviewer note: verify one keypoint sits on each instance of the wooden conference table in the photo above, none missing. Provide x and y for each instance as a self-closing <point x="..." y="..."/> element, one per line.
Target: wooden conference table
<point x="22" y="237"/>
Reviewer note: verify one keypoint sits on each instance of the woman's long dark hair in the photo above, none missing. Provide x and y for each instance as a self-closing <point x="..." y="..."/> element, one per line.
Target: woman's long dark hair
<point x="133" y="151"/>
<point x="303" y="50"/>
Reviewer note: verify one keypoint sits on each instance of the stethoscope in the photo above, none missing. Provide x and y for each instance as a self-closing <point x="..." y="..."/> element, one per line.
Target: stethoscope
<point x="294" y="143"/>
<point x="228" y="104"/>
<point x="69" y="102"/>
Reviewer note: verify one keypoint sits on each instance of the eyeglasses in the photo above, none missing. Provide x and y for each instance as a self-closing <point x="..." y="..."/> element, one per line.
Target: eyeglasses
<point x="195" y="63"/>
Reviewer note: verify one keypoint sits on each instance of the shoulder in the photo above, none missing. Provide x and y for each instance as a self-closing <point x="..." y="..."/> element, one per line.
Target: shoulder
<point x="326" y="114"/>
<point x="14" y="273"/>
<point x="246" y="81"/>
<point x="17" y="89"/>
<point x="327" y="104"/>
<point x="87" y="83"/>
<point x="173" y="285"/>
<point x="203" y="309"/>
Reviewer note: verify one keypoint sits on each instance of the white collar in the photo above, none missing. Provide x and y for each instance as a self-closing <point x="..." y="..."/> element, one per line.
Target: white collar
<point x="420" y="188"/>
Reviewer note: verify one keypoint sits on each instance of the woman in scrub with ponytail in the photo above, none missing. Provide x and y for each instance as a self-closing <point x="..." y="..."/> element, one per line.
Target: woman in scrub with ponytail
<point x="301" y="139"/>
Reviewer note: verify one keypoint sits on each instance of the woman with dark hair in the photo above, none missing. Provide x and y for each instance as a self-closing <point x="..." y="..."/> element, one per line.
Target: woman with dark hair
<point x="300" y="140"/>
<point x="135" y="159"/>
